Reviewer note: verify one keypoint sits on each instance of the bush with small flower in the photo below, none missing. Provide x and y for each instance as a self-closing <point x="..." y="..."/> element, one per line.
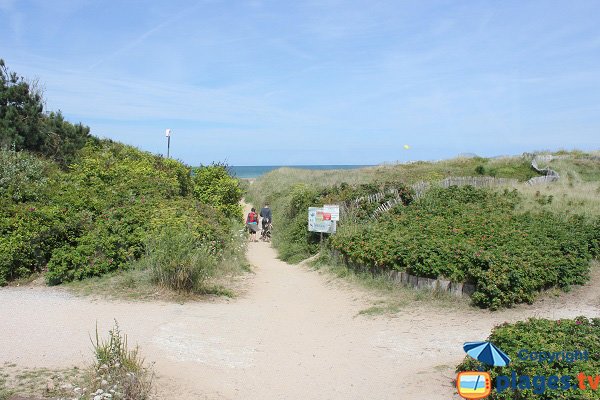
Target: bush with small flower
<point x="465" y="234"/>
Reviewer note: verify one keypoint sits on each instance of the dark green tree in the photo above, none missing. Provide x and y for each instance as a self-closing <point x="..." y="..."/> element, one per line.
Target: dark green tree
<point x="21" y="112"/>
<point x="25" y="126"/>
<point x="63" y="139"/>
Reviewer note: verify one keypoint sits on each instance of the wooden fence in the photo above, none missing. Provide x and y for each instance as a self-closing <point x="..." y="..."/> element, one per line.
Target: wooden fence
<point x="548" y="175"/>
<point x="459" y="289"/>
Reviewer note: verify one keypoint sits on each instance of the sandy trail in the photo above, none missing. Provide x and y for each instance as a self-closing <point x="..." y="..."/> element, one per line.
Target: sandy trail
<point x="294" y="334"/>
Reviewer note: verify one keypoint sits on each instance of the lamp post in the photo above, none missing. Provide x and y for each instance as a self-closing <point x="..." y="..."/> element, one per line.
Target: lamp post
<point x="168" y="135"/>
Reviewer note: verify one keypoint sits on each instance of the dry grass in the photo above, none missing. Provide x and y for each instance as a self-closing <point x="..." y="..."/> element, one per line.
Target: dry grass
<point x="272" y="185"/>
<point x="390" y="297"/>
<point x="582" y="198"/>
<point x="136" y="284"/>
<point x="39" y="382"/>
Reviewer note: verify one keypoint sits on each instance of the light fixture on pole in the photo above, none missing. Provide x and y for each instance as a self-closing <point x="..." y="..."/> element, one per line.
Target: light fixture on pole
<point x="168" y="135"/>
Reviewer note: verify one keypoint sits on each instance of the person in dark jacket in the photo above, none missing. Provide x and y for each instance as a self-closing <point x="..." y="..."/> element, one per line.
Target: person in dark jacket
<point x="266" y="215"/>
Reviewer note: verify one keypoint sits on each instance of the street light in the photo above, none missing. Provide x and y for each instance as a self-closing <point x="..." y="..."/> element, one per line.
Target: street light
<point x="168" y="135"/>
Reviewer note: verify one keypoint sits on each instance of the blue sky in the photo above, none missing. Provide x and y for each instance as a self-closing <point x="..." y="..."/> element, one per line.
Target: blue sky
<point x="316" y="82"/>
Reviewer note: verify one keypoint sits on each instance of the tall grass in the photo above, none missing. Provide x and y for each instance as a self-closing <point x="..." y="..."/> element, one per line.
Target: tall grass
<point x="177" y="260"/>
<point x="119" y="370"/>
<point x="563" y="197"/>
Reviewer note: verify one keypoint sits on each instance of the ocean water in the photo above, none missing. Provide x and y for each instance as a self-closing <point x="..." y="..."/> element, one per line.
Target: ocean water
<point x="254" y="171"/>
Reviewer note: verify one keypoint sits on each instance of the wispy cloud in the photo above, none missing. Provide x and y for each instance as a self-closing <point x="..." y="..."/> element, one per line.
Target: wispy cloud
<point x="143" y="37"/>
<point x="368" y="77"/>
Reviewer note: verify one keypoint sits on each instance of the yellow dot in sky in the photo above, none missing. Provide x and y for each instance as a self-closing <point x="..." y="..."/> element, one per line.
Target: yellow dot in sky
<point x="406" y="147"/>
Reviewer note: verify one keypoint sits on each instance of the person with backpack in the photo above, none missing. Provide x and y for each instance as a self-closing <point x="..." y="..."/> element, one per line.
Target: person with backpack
<point x="267" y="218"/>
<point x="266" y="215"/>
<point x="252" y="224"/>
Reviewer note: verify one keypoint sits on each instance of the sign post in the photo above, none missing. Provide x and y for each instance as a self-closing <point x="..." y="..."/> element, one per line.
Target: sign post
<point x="323" y="220"/>
<point x="168" y="135"/>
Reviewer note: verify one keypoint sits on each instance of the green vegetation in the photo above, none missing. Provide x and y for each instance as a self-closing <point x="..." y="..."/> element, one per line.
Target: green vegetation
<point x="118" y="369"/>
<point x="473" y="235"/>
<point x="512" y="239"/>
<point x="177" y="260"/>
<point x="25" y="126"/>
<point x="215" y="186"/>
<point x="279" y="183"/>
<point x="78" y="207"/>
<point x="542" y="335"/>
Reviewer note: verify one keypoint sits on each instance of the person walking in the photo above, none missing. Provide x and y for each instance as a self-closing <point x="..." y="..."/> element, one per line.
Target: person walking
<point x="266" y="215"/>
<point x="252" y="224"/>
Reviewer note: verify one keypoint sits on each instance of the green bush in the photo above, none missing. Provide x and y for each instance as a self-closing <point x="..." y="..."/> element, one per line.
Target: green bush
<point x="474" y="235"/>
<point x="291" y="237"/>
<point x="92" y="208"/>
<point x="215" y="185"/>
<point x="177" y="260"/>
<point x="28" y="235"/>
<point x="542" y="335"/>
<point x="96" y="217"/>
<point x="23" y="176"/>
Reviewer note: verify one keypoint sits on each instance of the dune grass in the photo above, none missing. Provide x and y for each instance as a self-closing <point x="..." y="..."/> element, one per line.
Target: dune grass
<point x="273" y="185"/>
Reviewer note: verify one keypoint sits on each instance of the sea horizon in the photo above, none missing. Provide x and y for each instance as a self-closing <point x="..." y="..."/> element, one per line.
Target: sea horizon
<point x="255" y="171"/>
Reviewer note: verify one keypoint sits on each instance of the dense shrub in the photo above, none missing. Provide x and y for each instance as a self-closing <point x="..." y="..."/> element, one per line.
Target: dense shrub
<point x="475" y="235"/>
<point x="96" y="218"/>
<point x="82" y="207"/>
<point x="542" y="335"/>
<point x="130" y="194"/>
<point x="23" y="176"/>
<point x="292" y="239"/>
<point x="178" y="260"/>
<point x="28" y="235"/>
<point x="61" y="139"/>
<point x="214" y="185"/>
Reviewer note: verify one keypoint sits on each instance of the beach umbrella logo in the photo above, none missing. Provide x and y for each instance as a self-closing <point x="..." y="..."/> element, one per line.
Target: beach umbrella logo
<point x="487" y="353"/>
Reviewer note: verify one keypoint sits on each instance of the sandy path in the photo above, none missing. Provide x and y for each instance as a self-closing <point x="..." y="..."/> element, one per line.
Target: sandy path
<point x="292" y="335"/>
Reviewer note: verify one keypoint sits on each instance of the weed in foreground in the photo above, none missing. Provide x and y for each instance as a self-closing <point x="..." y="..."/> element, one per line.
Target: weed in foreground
<point x="118" y="371"/>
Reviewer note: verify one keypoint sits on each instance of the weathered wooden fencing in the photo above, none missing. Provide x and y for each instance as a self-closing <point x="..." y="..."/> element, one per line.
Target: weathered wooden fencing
<point x="421" y="187"/>
<point x="404" y="278"/>
<point x="548" y="175"/>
